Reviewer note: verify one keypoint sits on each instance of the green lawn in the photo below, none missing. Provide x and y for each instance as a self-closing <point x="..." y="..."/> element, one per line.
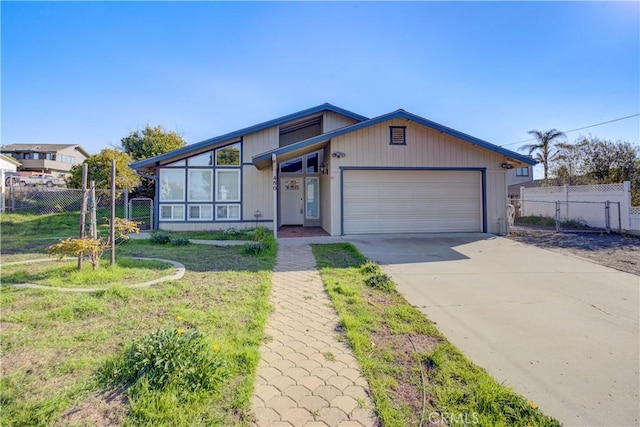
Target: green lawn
<point x="54" y="345"/>
<point x="414" y="373"/>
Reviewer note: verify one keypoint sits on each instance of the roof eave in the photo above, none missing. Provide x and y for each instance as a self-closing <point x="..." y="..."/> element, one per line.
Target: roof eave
<point x="260" y="159"/>
<point x="245" y="131"/>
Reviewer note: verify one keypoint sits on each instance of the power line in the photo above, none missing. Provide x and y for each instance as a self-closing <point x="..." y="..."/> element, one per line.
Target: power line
<point x="573" y="130"/>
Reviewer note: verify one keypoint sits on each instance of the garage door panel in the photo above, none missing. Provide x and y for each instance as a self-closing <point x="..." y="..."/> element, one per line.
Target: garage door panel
<point x="412" y="201"/>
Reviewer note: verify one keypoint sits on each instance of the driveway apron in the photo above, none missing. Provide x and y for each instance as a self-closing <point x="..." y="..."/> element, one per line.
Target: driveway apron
<point x="561" y="330"/>
<point x="307" y="375"/>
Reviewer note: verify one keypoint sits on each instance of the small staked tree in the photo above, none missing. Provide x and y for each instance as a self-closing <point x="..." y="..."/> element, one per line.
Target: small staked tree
<point x="543" y="147"/>
<point x="99" y="170"/>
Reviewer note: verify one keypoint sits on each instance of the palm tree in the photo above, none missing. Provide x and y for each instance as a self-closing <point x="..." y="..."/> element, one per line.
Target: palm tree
<point x="543" y="146"/>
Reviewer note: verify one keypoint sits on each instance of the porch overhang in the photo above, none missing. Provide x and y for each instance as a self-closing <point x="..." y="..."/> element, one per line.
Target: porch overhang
<point x="263" y="161"/>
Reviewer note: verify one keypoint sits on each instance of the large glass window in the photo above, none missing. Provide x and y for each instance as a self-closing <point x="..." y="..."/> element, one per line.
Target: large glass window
<point x="171" y="185"/>
<point x="312" y="208"/>
<point x="227" y="185"/>
<point x="228" y="156"/>
<point x="292" y="166"/>
<point x="228" y="212"/>
<point x="200" y="185"/>
<point x="203" y="159"/>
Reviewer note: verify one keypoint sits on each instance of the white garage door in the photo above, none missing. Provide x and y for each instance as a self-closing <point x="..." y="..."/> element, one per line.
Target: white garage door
<point x="383" y="201"/>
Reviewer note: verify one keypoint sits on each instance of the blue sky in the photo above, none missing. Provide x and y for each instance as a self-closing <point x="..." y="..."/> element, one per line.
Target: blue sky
<point x="90" y="73"/>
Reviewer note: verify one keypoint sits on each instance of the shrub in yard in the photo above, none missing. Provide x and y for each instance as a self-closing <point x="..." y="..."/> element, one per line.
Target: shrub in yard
<point x="160" y="237"/>
<point x="255" y="248"/>
<point x="380" y="281"/>
<point x="264" y="243"/>
<point x="260" y="234"/>
<point x="170" y="357"/>
<point x="369" y="267"/>
<point x="231" y="231"/>
<point x="179" y="241"/>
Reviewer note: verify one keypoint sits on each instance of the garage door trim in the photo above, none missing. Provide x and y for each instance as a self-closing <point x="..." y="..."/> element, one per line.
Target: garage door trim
<point x="483" y="173"/>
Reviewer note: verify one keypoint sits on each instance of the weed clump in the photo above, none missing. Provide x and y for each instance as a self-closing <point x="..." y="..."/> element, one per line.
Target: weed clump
<point x="375" y="278"/>
<point x="380" y="281"/>
<point x="179" y="241"/>
<point x="170" y="357"/>
<point x="160" y="237"/>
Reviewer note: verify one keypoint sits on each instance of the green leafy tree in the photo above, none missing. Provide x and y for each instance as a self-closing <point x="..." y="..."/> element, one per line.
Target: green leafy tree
<point x="150" y="142"/>
<point x="99" y="170"/>
<point x="608" y="161"/>
<point x="543" y="147"/>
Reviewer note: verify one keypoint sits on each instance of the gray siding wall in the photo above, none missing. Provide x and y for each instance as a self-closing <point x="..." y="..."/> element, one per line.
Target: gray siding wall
<point x="332" y="121"/>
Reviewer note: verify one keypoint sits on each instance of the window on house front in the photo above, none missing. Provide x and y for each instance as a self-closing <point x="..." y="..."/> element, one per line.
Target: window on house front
<point x="172" y="185"/>
<point x="522" y="172"/>
<point x="178" y="163"/>
<point x="227" y="185"/>
<point x="203" y="159"/>
<point x="172" y="212"/>
<point x="227" y="212"/>
<point x="398" y="135"/>
<point x="292" y="166"/>
<point x="312" y="210"/>
<point x="229" y="155"/>
<point x="200" y="185"/>
<point x="200" y="212"/>
<point x="312" y="163"/>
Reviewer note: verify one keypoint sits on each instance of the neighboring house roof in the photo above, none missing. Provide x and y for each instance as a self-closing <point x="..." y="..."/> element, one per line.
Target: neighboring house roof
<point x="248" y="130"/>
<point x="262" y="160"/>
<point x="10" y="159"/>
<point x="36" y="147"/>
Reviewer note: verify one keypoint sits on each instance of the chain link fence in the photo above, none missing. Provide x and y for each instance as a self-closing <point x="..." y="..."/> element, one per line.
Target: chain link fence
<point x="35" y="217"/>
<point x="47" y="200"/>
<point x="566" y="216"/>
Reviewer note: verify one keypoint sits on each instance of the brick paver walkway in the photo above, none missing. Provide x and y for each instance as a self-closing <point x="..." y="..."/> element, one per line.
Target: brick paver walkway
<point x="307" y="375"/>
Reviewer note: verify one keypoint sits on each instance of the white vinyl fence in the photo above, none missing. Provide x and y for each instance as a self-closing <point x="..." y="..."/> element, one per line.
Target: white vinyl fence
<point x="605" y="206"/>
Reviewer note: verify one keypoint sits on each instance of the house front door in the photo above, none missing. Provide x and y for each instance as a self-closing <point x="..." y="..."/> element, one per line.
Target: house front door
<point x="292" y="201"/>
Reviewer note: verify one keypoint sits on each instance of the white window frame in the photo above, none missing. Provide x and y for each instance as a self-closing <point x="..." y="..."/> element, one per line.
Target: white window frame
<point x="173" y="212"/>
<point x="209" y="197"/>
<point x="228" y="205"/>
<point x="200" y="217"/>
<point x="237" y="172"/>
<point x="172" y="171"/>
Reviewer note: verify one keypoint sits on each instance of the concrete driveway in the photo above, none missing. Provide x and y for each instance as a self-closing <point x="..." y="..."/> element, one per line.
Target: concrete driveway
<point x="560" y="330"/>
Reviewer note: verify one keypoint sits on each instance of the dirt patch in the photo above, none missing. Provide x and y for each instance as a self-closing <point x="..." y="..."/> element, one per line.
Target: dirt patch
<point x="406" y="349"/>
<point x="611" y="250"/>
<point x="105" y="409"/>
